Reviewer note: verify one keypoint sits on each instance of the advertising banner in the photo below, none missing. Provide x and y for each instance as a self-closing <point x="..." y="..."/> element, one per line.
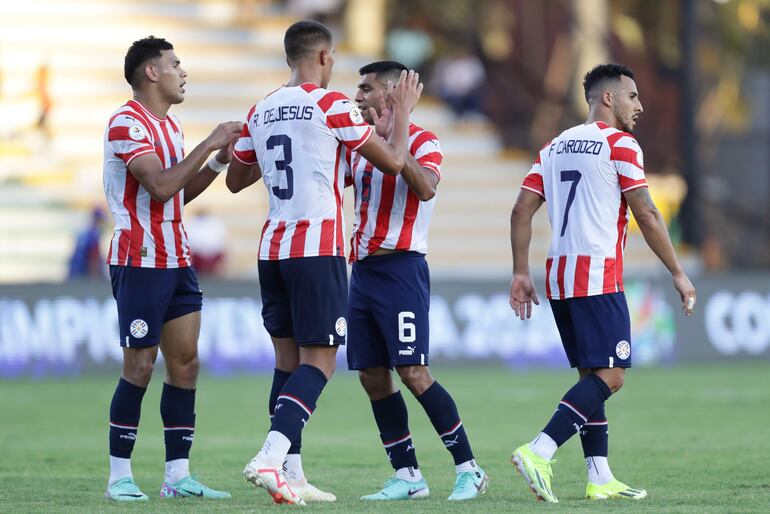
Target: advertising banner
<point x="69" y="329"/>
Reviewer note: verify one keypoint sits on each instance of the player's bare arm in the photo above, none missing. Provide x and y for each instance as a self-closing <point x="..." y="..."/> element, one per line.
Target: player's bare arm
<point x="206" y="175"/>
<point x="164" y="184"/>
<point x="523" y="292"/>
<point x="655" y="233"/>
<point x="422" y="181"/>
<point x="390" y="156"/>
<point x="241" y="175"/>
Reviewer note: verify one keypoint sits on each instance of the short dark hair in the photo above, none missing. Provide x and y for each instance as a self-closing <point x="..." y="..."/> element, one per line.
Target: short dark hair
<point x="304" y="36"/>
<point x="601" y="74"/>
<point x="140" y="52"/>
<point x="380" y="68"/>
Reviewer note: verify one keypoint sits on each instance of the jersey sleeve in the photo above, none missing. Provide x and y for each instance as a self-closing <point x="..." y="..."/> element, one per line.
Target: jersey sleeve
<point x="345" y="120"/>
<point x="348" y="168"/>
<point x="426" y="150"/>
<point x="534" y="179"/>
<point x="626" y="155"/>
<point x="244" y="147"/>
<point x="129" y="137"/>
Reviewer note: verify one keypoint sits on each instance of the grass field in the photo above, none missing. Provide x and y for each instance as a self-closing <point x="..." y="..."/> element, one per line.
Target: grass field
<point x="696" y="438"/>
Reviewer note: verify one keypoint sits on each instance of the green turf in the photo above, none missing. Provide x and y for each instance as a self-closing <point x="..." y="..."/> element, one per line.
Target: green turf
<point x="696" y="438"/>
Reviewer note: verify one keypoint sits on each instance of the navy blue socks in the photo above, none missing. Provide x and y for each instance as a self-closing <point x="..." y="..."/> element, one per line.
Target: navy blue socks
<point x="594" y="435"/>
<point x="442" y="411"/>
<point x="125" y="409"/>
<point x="297" y="401"/>
<point x="279" y="380"/>
<point x="393" y="422"/>
<point x="574" y="410"/>
<point x="177" y="410"/>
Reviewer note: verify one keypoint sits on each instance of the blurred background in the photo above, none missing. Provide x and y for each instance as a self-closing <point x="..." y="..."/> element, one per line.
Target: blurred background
<point x="502" y="77"/>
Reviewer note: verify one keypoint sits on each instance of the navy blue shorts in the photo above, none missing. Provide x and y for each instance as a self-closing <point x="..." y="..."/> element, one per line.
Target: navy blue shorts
<point x="595" y="330"/>
<point x="388" y="321"/>
<point x="149" y="297"/>
<point x="305" y="298"/>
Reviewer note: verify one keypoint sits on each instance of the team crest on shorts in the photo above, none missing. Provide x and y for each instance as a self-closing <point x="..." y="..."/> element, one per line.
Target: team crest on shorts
<point x="623" y="350"/>
<point x="138" y="328"/>
<point x="341" y="327"/>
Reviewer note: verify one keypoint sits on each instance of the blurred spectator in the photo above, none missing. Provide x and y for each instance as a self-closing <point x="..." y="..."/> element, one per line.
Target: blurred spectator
<point x="458" y="80"/>
<point x="86" y="260"/>
<point x="207" y="235"/>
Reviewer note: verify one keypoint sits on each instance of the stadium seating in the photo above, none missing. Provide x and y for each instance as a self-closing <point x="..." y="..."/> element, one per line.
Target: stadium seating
<point x="47" y="186"/>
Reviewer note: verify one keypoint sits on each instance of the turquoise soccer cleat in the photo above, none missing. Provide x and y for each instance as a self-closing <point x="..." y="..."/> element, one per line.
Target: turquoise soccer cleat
<point x="125" y="490"/>
<point x="469" y="484"/>
<point x="398" y="489"/>
<point x="188" y="487"/>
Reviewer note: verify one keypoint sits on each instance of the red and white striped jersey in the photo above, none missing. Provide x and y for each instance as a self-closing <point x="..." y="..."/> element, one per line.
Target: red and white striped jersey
<point x="582" y="174"/>
<point x="302" y="137"/>
<point x="148" y="234"/>
<point x="388" y="213"/>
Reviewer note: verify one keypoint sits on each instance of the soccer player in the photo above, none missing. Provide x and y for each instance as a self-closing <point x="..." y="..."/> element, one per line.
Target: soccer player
<point x="299" y="138"/>
<point x="390" y="298"/>
<point x="589" y="175"/>
<point x="147" y="181"/>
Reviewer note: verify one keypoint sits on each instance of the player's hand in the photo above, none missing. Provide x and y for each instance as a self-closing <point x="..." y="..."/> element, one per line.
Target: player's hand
<point x="224" y="155"/>
<point x="224" y="134"/>
<point x="406" y="93"/>
<point x="523" y="295"/>
<point x="384" y="120"/>
<point x="686" y="292"/>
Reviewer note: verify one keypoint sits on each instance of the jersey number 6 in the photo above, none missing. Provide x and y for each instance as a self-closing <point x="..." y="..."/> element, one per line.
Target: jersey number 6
<point x="283" y="141"/>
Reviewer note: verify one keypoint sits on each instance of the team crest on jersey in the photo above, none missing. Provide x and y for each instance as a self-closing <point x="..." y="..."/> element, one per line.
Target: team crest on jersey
<point x="341" y="327"/>
<point x="136" y="132"/>
<point x="356" y="116"/>
<point x="623" y="350"/>
<point x="138" y="328"/>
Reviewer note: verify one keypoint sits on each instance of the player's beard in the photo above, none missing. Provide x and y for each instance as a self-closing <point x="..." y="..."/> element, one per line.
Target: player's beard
<point x="625" y="123"/>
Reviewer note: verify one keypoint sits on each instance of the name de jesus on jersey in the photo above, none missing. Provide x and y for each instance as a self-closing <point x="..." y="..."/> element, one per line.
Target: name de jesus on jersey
<point x="302" y="138"/>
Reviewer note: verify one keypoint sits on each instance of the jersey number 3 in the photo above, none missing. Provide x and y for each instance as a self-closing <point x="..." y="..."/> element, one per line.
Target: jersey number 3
<point x="573" y="176"/>
<point x="283" y="141"/>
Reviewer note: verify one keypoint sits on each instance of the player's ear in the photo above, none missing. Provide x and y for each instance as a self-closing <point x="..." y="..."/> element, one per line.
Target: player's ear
<point x="324" y="56"/>
<point x="607" y="98"/>
<point x="151" y="72"/>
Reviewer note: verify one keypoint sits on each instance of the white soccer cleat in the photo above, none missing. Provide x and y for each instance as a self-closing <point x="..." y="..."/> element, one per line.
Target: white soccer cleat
<point x="271" y="479"/>
<point x="309" y="492"/>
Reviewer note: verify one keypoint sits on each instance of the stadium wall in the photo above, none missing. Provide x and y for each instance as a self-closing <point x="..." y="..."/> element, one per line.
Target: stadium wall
<point x="71" y="329"/>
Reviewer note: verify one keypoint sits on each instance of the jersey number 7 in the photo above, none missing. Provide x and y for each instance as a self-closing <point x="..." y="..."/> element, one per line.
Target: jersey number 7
<point x="573" y="176"/>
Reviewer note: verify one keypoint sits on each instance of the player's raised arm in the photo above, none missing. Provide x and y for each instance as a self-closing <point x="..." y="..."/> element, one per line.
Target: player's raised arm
<point x="244" y="169"/>
<point x="523" y="292"/>
<point x="390" y="156"/>
<point x="655" y="233"/>
<point x="163" y="184"/>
